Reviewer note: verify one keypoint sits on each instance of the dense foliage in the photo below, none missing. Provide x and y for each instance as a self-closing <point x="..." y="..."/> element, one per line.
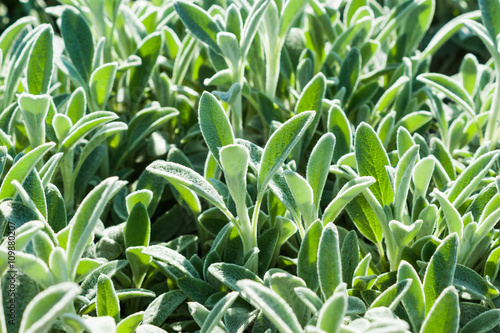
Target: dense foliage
<point x="250" y="166"/>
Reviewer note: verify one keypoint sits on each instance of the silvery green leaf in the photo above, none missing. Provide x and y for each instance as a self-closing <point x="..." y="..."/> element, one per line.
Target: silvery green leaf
<point x="9" y="35"/>
<point x="271" y="304"/>
<point x="173" y="258"/>
<point x="137" y="228"/>
<point x="447" y="31"/>
<point x="34" y="110"/>
<point x="470" y="284"/>
<point x="470" y="178"/>
<point x="349" y="256"/>
<point x="35" y="268"/>
<point x="199" y="23"/>
<point x="444" y="313"/>
<point x="490" y="12"/>
<point x="78" y="41"/>
<point x="453" y="217"/>
<point x="101" y="83"/>
<point x="284" y="284"/>
<point x="422" y="176"/>
<point x="77" y="105"/>
<point x="251" y="26"/>
<point x="349" y="74"/>
<point x="484" y="322"/>
<point x="280" y="145"/>
<point x="218" y="312"/>
<point x="391" y="297"/>
<point x="83" y="126"/>
<point x="214" y="124"/>
<point x="130" y="323"/>
<point x="319" y="164"/>
<point x="107" y="300"/>
<point x="451" y="89"/>
<point x="469" y="68"/>
<point x="413" y="300"/>
<point x="159" y="309"/>
<point x="83" y="222"/>
<point x="41" y="63"/>
<point x="289" y="13"/>
<point x="404" y="172"/>
<point x="372" y="159"/>
<point x="331" y="315"/>
<point x="439" y="272"/>
<point x="339" y="125"/>
<point x="22" y="168"/>
<point x="42" y="311"/>
<point x="230" y="274"/>
<point x="303" y="195"/>
<point x="228" y="44"/>
<point x="308" y="256"/>
<point x="309" y="298"/>
<point x="186" y="177"/>
<point x="329" y="261"/>
<point x="148" y="51"/>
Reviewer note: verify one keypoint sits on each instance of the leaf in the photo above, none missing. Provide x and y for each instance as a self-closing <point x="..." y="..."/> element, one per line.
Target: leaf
<point x="451" y="89"/>
<point x="490" y="13"/>
<point x="350" y="72"/>
<point x="318" y="165"/>
<point x="86" y="217"/>
<point x="372" y="159"/>
<point x="440" y="271"/>
<point x="469" y="283"/>
<point x="214" y="124"/>
<point x="302" y="194"/>
<point x="484" y="322"/>
<point x="218" y="312"/>
<point x="21" y="169"/>
<point x="130" y="323"/>
<point x="199" y="23"/>
<point x="42" y="311"/>
<point x="470" y="178"/>
<point x="101" y="83"/>
<point x="413" y="300"/>
<point x="34" y="110"/>
<point x="349" y="255"/>
<point x="272" y="305"/>
<point x="307" y="258"/>
<point x="137" y="228"/>
<point x="85" y="125"/>
<point x="391" y="297"/>
<point x="404" y="172"/>
<point x="230" y="274"/>
<point x="389" y="96"/>
<point x="331" y="315"/>
<point x="280" y="145"/>
<point x="41" y="63"/>
<point x="184" y="176"/>
<point x="159" y="309"/>
<point x="148" y="51"/>
<point x="251" y="26"/>
<point x="453" y="218"/>
<point x="78" y="42"/>
<point x="107" y="300"/>
<point x="145" y="122"/>
<point x="291" y="10"/>
<point x="329" y="261"/>
<point x="173" y="258"/>
<point x="339" y="125"/>
<point x="444" y="315"/>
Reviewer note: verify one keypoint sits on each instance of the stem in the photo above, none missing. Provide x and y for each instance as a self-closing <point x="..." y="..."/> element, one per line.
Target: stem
<point x="255" y="216"/>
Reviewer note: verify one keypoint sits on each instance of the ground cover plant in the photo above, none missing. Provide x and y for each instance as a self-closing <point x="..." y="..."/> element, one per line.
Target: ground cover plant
<point x="250" y="166"/>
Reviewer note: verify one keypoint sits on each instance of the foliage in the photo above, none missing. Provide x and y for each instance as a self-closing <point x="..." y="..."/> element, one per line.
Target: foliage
<point x="249" y="166"/>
